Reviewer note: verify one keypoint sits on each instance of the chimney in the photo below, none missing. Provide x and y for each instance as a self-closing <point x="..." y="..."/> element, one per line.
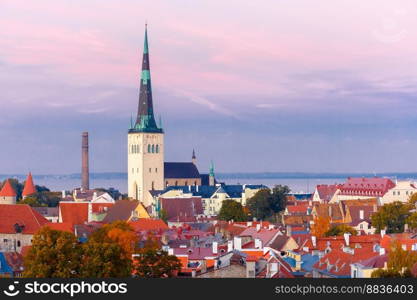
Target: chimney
<point x="381" y="251"/>
<point x="85" y="173"/>
<point x="361" y="214"/>
<point x="383" y="233"/>
<point x="289" y="230"/>
<point x="346" y="236"/>
<point x="248" y="224"/>
<point x="170" y="251"/>
<point x="258" y="227"/>
<point x="258" y="244"/>
<point x="237" y="241"/>
<point x="90" y="212"/>
<point x="215" y="247"/>
<point x="229" y="246"/>
<point x="375" y="208"/>
<point x="94" y="195"/>
<point x="64" y="194"/>
<point x="314" y="241"/>
<point x="405" y="227"/>
<point x="330" y="212"/>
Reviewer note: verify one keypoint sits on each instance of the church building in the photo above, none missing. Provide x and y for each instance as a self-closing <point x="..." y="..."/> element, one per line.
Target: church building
<point x="147" y="170"/>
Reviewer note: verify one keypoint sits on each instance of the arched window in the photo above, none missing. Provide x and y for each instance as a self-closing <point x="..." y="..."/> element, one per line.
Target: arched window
<point x="153" y="148"/>
<point x="153" y="186"/>
<point x="149" y="148"/>
<point x="132" y="149"/>
<point x="157" y="149"/>
<point x="176" y="183"/>
<point x="186" y="183"/>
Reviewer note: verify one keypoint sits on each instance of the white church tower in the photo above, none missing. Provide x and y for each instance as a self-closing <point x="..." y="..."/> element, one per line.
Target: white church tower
<point x="145" y="142"/>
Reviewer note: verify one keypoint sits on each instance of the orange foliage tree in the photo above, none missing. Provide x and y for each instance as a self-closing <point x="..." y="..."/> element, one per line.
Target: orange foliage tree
<point x="321" y="226"/>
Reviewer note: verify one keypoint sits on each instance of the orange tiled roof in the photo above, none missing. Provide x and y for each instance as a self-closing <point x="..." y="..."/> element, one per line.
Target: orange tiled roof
<point x="29" y="188"/>
<point x="148" y="224"/>
<point x="67" y="227"/>
<point x="24" y="215"/>
<point x="7" y="190"/>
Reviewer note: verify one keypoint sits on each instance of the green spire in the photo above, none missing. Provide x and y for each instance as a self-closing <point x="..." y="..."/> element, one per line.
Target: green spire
<point x="212" y="169"/>
<point x="145" y="45"/>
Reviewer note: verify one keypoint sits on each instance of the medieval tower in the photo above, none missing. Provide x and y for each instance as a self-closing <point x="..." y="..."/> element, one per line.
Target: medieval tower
<point x="145" y="142"/>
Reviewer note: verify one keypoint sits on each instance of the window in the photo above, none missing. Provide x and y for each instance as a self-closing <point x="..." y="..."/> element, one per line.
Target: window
<point x="149" y="148"/>
<point x="150" y="170"/>
<point x="186" y="183"/>
<point x="153" y="186"/>
<point x="18" y="243"/>
<point x="133" y="170"/>
<point x="153" y="148"/>
<point x="156" y="170"/>
<point x="157" y="148"/>
<point x="176" y="183"/>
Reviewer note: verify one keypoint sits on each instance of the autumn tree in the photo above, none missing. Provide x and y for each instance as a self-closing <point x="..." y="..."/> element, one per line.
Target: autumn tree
<point x="391" y="216"/>
<point x="151" y="262"/>
<point x="340" y="230"/>
<point x="54" y="254"/>
<point x="400" y="263"/>
<point x="232" y="210"/>
<point x="321" y="226"/>
<point x="108" y="252"/>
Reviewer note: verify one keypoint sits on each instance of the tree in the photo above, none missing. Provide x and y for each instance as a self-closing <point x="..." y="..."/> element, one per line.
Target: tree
<point x="163" y="215"/>
<point x="400" y="263"/>
<point x="278" y="198"/>
<point x="413" y="200"/>
<point x="151" y="262"/>
<point x="392" y="216"/>
<point x="259" y="204"/>
<point x="412" y="220"/>
<point x="108" y="252"/>
<point x="340" y="230"/>
<point x="321" y="226"/>
<point x="54" y="254"/>
<point x="232" y="210"/>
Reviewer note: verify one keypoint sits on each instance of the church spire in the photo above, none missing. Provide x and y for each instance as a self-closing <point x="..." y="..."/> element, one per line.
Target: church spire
<point x="145" y="120"/>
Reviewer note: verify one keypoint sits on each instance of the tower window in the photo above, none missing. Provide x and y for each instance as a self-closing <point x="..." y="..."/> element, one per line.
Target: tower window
<point x="157" y="148"/>
<point x="133" y="170"/>
<point x="150" y="170"/>
<point x="153" y="148"/>
<point x="156" y="170"/>
<point x="149" y="148"/>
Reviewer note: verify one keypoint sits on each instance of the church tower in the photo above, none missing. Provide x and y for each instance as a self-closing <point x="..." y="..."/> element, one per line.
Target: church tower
<point x="145" y="142"/>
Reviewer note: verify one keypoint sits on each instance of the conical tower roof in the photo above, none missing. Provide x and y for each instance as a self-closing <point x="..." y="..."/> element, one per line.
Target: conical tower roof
<point x="29" y="188"/>
<point x="7" y="190"/>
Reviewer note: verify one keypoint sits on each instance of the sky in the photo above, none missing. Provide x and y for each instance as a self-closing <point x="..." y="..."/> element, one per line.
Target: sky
<point x="255" y="86"/>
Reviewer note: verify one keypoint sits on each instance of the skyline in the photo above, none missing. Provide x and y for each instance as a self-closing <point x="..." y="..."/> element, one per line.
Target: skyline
<point x="242" y="92"/>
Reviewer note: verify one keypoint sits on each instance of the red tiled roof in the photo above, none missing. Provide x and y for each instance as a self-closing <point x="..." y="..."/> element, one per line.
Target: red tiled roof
<point x="74" y="212"/>
<point x="360" y="186"/>
<point x="406" y="239"/>
<point x="7" y="190"/>
<point x="297" y="209"/>
<point x="326" y="192"/>
<point x="67" y="227"/>
<point x="22" y="215"/>
<point x="265" y="235"/>
<point x="148" y="224"/>
<point x="77" y="212"/>
<point x="182" y="207"/>
<point x="337" y="242"/>
<point x="337" y="262"/>
<point x="29" y="188"/>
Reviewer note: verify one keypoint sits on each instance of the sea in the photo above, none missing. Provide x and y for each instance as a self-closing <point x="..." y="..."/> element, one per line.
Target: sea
<point x="297" y="182"/>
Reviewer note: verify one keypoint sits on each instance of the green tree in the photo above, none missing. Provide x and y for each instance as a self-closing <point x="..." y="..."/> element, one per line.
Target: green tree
<point x="163" y="215"/>
<point x="151" y="262"/>
<point x="104" y="260"/>
<point x="392" y="216"/>
<point x="232" y="210"/>
<point x="54" y="254"/>
<point x="278" y="198"/>
<point x="259" y="204"/>
<point x="340" y="230"/>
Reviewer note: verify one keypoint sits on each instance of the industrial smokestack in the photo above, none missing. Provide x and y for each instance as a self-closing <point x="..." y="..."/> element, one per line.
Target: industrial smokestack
<point x="85" y="172"/>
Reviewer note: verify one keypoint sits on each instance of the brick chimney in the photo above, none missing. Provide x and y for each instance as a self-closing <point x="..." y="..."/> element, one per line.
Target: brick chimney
<point x="85" y="172"/>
